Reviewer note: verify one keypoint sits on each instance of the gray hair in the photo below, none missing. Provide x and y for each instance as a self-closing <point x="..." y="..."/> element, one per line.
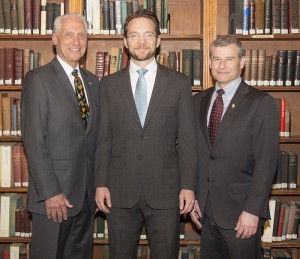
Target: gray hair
<point x="58" y="19"/>
<point x="225" y="41"/>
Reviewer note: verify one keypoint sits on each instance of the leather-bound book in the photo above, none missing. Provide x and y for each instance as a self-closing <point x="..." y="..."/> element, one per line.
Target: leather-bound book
<point x="14" y="16"/>
<point x="294" y="15"/>
<point x="36" y="16"/>
<point x="28" y="16"/>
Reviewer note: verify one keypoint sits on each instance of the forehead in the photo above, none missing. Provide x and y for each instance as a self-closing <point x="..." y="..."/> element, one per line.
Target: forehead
<point x="72" y="23"/>
<point x="141" y="24"/>
<point x="230" y="50"/>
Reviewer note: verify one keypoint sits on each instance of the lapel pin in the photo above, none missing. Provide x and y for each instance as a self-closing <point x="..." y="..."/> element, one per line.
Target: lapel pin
<point x="233" y="106"/>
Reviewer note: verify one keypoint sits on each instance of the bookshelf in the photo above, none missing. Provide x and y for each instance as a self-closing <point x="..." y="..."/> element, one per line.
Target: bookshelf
<point x="189" y="27"/>
<point x="193" y="24"/>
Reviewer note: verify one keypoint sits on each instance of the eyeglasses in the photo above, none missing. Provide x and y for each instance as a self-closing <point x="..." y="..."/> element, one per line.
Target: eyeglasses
<point x="148" y="36"/>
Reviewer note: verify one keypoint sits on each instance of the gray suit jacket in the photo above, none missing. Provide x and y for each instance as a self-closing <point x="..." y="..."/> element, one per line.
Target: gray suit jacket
<point x="60" y="151"/>
<point x="131" y="158"/>
<point x="238" y="170"/>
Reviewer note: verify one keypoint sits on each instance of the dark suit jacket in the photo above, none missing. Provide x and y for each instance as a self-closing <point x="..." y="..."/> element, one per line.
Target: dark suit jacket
<point x="238" y="170"/>
<point x="131" y="158"/>
<point x="60" y="151"/>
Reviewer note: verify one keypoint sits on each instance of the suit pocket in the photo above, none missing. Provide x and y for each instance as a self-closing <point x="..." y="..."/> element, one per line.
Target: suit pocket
<point x="116" y="162"/>
<point x="60" y="164"/>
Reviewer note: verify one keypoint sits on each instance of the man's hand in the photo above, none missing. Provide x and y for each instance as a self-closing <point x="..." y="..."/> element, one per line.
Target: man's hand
<point x="246" y="225"/>
<point x="103" y="199"/>
<point x="196" y="214"/>
<point x="186" y="201"/>
<point x="56" y="207"/>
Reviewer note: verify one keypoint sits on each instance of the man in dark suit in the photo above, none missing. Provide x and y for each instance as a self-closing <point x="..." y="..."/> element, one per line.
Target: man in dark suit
<point x="141" y="175"/>
<point x="237" y="135"/>
<point x="60" y="126"/>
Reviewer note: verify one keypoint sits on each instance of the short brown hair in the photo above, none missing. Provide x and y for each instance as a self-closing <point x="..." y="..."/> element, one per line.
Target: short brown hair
<point x="142" y="14"/>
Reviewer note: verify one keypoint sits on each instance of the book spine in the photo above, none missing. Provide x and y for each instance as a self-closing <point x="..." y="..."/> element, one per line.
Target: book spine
<point x="239" y="16"/>
<point x="292" y="170"/>
<point x="9" y="66"/>
<point x="293" y="20"/>
<point x="246" y="17"/>
<point x="261" y="67"/>
<point x="268" y="17"/>
<point x="21" y="17"/>
<point x="43" y="17"/>
<point x="284" y="13"/>
<point x="28" y="16"/>
<point x="1" y="18"/>
<point x="281" y="56"/>
<point x="14" y="17"/>
<point x="6" y="15"/>
<point x="254" y="67"/>
<point x="252" y="18"/>
<point x="36" y="16"/>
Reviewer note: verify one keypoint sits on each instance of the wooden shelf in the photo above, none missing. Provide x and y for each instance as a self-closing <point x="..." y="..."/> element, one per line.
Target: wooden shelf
<point x="281" y="244"/>
<point x="294" y="139"/>
<point x="13" y="189"/>
<point x="259" y="37"/>
<point x="279" y="88"/>
<point x="104" y="241"/>
<point x="100" y="37"/>
<point x="289" y="192"/>
<point x="10" y="139"/>
<point x="10" y="87"/>
<point x="15" y="239"/>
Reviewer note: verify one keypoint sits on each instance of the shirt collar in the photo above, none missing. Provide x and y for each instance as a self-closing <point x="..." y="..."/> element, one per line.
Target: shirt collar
<point x="67" y="68"/>
<point x="231" y="88"/>
<point x="152" y="67"/>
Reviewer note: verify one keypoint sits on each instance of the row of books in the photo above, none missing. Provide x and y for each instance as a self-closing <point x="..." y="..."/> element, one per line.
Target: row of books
<point x="10" y="111"/>
<point x="103" y="16"/>
<point x="280" y="69"/>
<point x="14" y="251"/>
<point x="15" y="63"/>
<point x="285" y="117"/>
<point x="284" y="222"/>
<point x="290" y="253"/>
<point x="15" y="219"/>
<point x="13" y="165"/>
<point x="264" y="17"/>
<point x="108" y="16"/>
<point x="287" y="171"/>
<point x="187" y="61"/>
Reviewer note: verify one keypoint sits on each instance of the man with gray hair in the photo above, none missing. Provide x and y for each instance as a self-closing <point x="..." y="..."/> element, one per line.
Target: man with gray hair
<point x="60" y="123"/>
<point x="237" y="136"/>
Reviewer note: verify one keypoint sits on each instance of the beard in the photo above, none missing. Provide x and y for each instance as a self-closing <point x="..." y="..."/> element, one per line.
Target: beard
<point x="142" y="55"/>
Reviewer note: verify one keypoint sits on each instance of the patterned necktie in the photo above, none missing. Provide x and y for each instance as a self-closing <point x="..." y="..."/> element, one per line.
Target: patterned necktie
<point x="140" y="96"/>
<point x="215" y="116"/>
<point x="83" y="104"/>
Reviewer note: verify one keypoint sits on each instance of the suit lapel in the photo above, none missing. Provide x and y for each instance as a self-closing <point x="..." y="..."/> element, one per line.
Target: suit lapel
<point x="126" y="93"/>
<point x="236" y="104"/>
<point x="204" y="105"/>
<point x="88" y="91"/>
<point x="160" y="86"/>
<point x="62" y="80"/>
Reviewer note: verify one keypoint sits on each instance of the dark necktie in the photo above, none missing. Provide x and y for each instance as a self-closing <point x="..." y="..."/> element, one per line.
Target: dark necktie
<point x="215" y="116"/>
<point x="83" y="104"/>
<point x="140" y="96"/>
